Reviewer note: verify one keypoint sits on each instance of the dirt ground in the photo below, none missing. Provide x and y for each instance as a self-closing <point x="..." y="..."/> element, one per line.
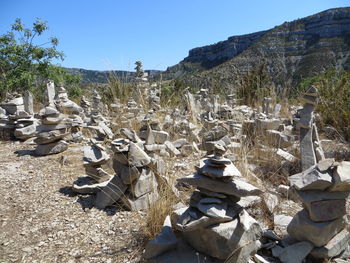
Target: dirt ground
<point x="41" y="220"/>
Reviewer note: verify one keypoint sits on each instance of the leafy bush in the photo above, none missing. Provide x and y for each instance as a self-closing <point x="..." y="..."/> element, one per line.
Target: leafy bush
<point x="26" y="65"/>
<point x="334" y="99"/>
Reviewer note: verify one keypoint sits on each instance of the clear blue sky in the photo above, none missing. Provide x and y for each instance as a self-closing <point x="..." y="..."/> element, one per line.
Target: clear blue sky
<point x="107" y="34"/>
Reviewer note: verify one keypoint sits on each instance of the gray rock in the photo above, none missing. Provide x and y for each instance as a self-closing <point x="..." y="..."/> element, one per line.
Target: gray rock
<point x="98" y="174"/>
<point x="25" y="132"/>
<point x="180" y="142"/>
<point x="189" y="219"/>
<point x="146" y="183"/>
<point x="248" y="201"/>
<point x="28" y="102"/>
<point x="130" y="134"/>
<point x="210" y="193"/>
<point x="182" y="254"/>
<point x="51" y="148"/>
<point x="160" y="137"/>
<point x="141" y="203"/>
<point x="271" y="201"/>
<point x="311" y="179"/>
<point x="155" y="147"/>
<point x="164" y="241"/>
<point x="294" y="253"/>
<point x="105" y="129"/>
<point x="49" y="112"/>
<point x="137" y="157"/>
<point x="212" y="209"/>
<point x="325" y="164"/>
<point x="120" y="146"/>
<point x="303" y="228"/>
<point x="86" y="187"/>
<point x="315" y="195"/>
<point x="128" y="174"/>
<point x="341" y="177"/>
<point x="326" y="210"/>
<point x="225" y="172"/>
<point x="172" y="149"/>
<point x="120" y="158"/>
<point x="278" y="139"/>
<point x="234" y="240"/>
<point x="334" y="247"/>
<point x="308" y="157"/>
<point x="50" y="127"/>
<point x="94" y="155"/>
<point x="281" y="222"/>
<point x="235" y="187"/>
<point x="110" y="193"/>
<point x="51" y="136"/>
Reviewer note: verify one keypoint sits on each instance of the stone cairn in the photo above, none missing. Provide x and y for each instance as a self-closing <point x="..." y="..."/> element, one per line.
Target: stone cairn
<point x="214" y="224"/>
<point x="51" y="132"/>
<point x="16" y="117"/>
<point x="55" y="125"/>
<point x="134" y="185"/>
<point x="323" y="187"/>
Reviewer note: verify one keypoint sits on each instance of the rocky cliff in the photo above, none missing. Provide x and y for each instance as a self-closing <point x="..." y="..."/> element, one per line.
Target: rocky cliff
<point x="290" y="52"/>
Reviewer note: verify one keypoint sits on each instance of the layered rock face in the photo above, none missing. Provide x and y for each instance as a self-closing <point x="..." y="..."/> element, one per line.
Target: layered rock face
<point x="290" y="51"/>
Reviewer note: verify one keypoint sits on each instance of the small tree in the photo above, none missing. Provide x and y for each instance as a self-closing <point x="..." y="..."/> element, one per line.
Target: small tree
<point x="25" y="64"/>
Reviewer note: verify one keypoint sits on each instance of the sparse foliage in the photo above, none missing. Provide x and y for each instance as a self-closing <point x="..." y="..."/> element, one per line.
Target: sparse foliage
<point x="27" y="65"/>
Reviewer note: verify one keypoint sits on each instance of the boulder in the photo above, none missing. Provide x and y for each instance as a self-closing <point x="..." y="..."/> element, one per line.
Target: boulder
<point x="164" y="241"/>
<point x="326" y="210"/>
<point x="110" y="193"/>
<point x="311" y="179"/>
<point x="144" y="184"/>
<point x="334" y="247"/>
<point x="94" y="155"/>
<point x="303" y="228"/>
<point x="51" y="136"/>
<point x="137" y="157"/>
<point x="221" y="240"/>
<point x="140" y="203"/>
<point x="295" y="253"/>
<point x="51" y="148"/>
<point x="25" y="132"/>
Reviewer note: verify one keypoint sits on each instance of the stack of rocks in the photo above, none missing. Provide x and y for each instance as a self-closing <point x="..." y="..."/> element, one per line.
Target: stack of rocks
<point x="85" y="104"/>
<point x="97" y="122"/>
<point x="215" y="224"/>
<point x="51" y="132"/>
<point x="323" y="187"/>
<point x="10" y="110"/>
<point x="95" y="156"/>
<point x="65" y="105"/>
<point x="217" y="135"/>
<point x="134" y="184"/>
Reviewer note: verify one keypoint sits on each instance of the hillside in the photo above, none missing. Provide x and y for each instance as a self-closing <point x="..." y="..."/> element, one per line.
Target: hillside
<point x="97" y="76"/>
<point x="289" y="52"/>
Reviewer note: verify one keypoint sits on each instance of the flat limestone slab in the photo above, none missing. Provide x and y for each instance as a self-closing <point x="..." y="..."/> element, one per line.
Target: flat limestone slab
<point x="235" y="187"/>
<point x="311" y="179"/>
<point x="334" y="247"/>
<point x="326" y="210"/>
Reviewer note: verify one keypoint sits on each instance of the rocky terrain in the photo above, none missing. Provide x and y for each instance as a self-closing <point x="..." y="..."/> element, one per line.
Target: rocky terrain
<point x="290" y="52"/>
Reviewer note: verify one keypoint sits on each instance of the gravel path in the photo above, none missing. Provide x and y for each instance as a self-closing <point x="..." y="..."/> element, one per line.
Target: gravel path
<point x="41" y="220"/>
